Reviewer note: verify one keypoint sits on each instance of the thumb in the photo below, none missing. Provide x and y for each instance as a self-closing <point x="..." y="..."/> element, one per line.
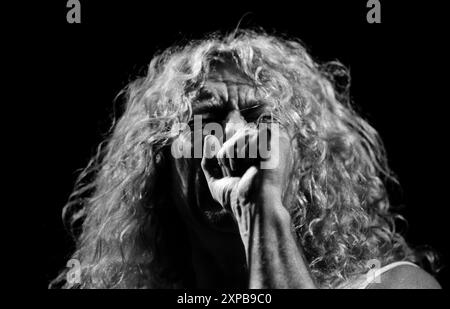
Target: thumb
<point x="248" y="183"/>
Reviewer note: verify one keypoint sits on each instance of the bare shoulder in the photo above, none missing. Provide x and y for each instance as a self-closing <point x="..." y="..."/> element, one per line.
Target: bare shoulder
<point x="406" y="277"/>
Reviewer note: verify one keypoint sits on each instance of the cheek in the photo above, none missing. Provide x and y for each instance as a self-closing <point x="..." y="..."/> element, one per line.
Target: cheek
<point x="181" y="188"/>
<point x="184" y="173"/>
<point x="180" y="177"/>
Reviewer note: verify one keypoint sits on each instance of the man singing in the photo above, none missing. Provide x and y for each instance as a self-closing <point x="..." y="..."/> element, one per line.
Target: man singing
<point x="197" y="207"/>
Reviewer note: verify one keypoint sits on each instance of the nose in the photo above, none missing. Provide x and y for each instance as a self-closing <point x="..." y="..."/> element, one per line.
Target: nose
<point x="234" y="122"/>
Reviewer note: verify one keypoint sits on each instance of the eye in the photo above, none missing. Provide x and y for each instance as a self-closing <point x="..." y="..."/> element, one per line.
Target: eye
<point x="204" y="95"/>
<point x="209" y="107"/>
<point x="253" y="113"/>
<point x="212" y="114"/>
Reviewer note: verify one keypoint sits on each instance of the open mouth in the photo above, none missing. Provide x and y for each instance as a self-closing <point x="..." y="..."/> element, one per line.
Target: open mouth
<point x="214" y="214"/>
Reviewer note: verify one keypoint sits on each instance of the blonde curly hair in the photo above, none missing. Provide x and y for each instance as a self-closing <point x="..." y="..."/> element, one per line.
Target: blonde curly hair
<point x="340" y="208"/>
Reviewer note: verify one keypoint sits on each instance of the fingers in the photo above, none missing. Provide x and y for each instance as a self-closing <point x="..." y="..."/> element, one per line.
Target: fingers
<point x="233" y="157"/>
<point x="233" y="151"/>
<point x="209" y="161"/>
<point x="227" y="153"/>
<point x="224" y="165"/>
<point x="217" y="166"/>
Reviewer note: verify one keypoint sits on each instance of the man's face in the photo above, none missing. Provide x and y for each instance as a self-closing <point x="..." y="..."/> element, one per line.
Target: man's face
<point x="227" y="99"/>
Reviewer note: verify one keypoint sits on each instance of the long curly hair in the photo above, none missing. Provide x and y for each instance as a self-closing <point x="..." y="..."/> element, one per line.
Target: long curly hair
<point x="123" y="220"/>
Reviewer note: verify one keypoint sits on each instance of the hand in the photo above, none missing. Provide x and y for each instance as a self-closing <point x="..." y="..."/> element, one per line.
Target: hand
<point x="273" y="256"/>
<point x="239" y="183"/>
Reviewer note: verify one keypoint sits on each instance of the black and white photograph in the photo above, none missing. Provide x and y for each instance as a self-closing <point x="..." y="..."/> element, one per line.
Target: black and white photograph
<point x="245" y="147"/>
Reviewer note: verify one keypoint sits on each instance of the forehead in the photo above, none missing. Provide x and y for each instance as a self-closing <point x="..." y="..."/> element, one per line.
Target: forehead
<point x="225" y="84"/>
<point x="226" y="71"/>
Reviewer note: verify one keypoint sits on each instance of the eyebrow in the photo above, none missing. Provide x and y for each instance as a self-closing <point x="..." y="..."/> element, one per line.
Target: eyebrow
<point x="207" y="106"/>
<point x="207" y="101"/>
<point x="214" y="106"/>
<point x="252" y="105"/>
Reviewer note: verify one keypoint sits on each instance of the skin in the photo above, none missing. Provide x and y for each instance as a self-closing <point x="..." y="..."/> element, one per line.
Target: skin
<point x="237" y="224"/>
<point x="406" y="277"/>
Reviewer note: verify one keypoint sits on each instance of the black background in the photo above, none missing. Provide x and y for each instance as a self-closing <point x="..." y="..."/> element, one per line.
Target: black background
<point x="394" y="65"/>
